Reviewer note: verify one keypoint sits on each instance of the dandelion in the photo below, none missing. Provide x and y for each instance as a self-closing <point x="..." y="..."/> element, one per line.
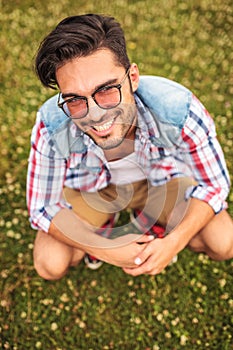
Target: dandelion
<point x="156" y="347"/>
<point x="193" y="282"/>
<point x="100" y="299"/>
<point x="165" y="312"/>
<point x="204" y="289"/>
<point x="4" y="303"/>
<point x="18" y="236"/>
<point x="6" y="345"/>
<point x="20" y="258"/>
<point x="19" y="150"/>
<point x="70" y="284"/>
<point x="137" y="320"/>
<point x="93" y="283"/>
<point x="11" y="188"/>
<point x="23" y="314"/>
<point x="159" y="317"/>
<point x="195" y="320"/>
<point x="10" y="234"/>
<point x="203" y="258"/>
<point x="82" y="324"/>
<point x="175" y="321"/>
<point x="225" y="296"/>
<point x="8" y="224"/>
<point x="222" y="282"/>
<point x="132" y="45"/>
<point x="168" y="335"/>
<point x="47" y="302"/>
<point x="15" y="221"/>
<point x="4" y="273"/>
<point x="64" y="298"/>
<point x="183" y="340"/>
<point x="58" y="311"/>
<point x="54" y="326"/>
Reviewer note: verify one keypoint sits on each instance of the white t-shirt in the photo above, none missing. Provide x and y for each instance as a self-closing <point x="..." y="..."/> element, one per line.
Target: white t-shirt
<point x="126" y="170"/>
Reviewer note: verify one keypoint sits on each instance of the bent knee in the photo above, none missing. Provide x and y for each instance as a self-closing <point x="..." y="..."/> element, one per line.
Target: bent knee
<point x="48" y="270"/>
<point x="196" y="245"/>
<point x="215" y="250"/>
<point x="223" y="252"/>
<point x="51" y="257"/>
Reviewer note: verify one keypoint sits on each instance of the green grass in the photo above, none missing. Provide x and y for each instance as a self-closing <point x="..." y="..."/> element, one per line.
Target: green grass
<point x="190" y="305"/>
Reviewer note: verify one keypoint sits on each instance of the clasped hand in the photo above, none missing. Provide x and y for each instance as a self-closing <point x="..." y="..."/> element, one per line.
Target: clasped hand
<point x="155" y="257"/>
<point x="145" y="255"/>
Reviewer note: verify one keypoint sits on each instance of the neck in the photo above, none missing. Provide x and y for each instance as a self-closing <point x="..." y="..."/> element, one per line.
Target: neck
<point x="124" y="149"/>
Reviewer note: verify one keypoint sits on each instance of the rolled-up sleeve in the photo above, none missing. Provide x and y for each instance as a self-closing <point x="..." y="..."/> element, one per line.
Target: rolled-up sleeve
<point x="202" y="152"/>
<point x="45" y="179"/>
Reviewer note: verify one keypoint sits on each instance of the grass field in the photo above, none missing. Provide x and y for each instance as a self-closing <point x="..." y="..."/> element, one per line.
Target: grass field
<point x="190" y="305"/>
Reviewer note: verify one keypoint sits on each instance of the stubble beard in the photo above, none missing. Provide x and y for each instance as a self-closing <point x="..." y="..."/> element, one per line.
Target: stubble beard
<point x="126" y="119"/>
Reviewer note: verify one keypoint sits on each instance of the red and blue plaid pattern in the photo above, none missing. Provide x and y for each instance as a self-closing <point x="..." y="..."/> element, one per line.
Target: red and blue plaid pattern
<point x="196" y="154"/>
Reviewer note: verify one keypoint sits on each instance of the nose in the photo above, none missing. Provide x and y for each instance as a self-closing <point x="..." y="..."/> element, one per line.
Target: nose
<point x="95" y="112"/>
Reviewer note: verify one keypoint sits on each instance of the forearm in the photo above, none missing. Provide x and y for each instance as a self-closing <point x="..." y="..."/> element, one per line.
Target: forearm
<point x="197" y="216"/>
<point x="68" y="228"/>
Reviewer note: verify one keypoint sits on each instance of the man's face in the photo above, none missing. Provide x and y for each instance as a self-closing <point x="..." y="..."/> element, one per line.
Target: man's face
<point x="82" y="77"/>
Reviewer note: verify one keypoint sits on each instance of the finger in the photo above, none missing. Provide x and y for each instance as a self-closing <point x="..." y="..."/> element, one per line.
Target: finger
<point x="145" y="239"/>
<point x="137" y="271"/>
<point x="143" y="255"/>
<point x="147" y="268"/>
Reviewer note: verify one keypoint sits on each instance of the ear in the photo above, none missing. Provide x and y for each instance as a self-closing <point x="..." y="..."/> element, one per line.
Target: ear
<point x="134" y="76"/>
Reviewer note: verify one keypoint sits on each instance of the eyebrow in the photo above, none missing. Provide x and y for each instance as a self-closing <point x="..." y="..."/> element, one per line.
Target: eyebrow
<point x="97" y="87"/>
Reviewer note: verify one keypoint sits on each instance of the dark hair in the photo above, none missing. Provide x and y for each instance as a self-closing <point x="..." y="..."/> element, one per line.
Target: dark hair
<point x="79" y="36"/>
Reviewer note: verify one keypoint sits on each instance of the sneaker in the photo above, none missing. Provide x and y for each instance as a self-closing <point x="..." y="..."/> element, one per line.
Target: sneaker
<point x="105" y="231"/>
<point x="92" y="263"/>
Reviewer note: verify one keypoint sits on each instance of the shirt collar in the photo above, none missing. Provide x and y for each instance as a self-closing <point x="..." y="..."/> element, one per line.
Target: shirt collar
<point x="147" y="126"/>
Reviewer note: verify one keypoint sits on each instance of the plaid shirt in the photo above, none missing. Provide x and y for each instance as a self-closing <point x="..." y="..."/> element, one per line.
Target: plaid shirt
<point x="196" y="153"/>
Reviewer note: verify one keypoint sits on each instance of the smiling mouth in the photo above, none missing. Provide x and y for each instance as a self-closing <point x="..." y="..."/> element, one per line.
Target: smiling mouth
<point x="103" y="127"/>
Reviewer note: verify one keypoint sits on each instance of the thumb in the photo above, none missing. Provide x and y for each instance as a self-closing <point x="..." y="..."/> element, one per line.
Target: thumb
<point x="141" y="256"/>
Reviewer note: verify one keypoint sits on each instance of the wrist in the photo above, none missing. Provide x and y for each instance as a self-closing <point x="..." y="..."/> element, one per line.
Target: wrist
<point x="178" y="239"/>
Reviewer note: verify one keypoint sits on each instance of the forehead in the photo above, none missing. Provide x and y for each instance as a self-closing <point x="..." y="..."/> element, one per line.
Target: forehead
<point x="82" y="75"/>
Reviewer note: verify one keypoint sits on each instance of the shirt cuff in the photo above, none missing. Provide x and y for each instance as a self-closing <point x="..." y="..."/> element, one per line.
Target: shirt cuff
<point x="214" y="197"/>
<point x="41" y="219"/>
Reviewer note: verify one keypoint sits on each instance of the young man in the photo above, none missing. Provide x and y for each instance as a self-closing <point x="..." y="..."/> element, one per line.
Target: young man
<point x="110" y="141"/>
